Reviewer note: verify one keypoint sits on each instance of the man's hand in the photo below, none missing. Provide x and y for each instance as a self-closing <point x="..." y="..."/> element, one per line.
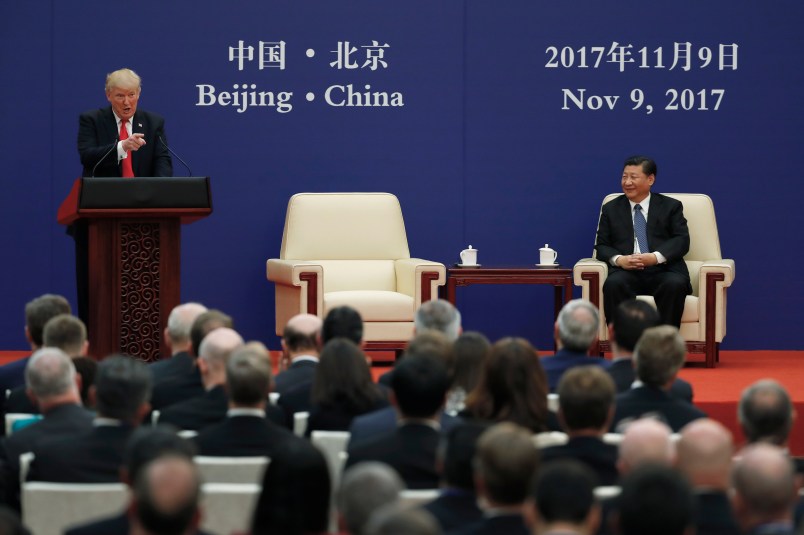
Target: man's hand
<point x="134" y="142"/>
<point x="637" y="261"/>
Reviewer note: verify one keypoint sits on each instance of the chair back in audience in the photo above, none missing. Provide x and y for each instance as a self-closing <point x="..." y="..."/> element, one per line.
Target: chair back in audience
<point x="414" y="498"/>
<point x="17" y="420"/>
<point x="154" y="417"/>
<point x="550" y="438"/>
<point x="231" y="469"/>
<point x="552" y="402"/>
<point x="607" y="492"/>
<point x="228" y="507"/>
<point x="49" y="508"/>
<point x="300" y="423"/>
<point x="25" y="464"/>
<point x="273" y="397"/>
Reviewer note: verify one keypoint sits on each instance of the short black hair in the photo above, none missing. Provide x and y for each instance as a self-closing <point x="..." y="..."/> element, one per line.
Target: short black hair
<point x="122" y="385"/>
<point x="205" y="323"/>
<point x="149" y="443"/>
<point x="630" y="320"/>
<point x="586" y="396"/>
<point x="657" y="500"/>
<point x="342" y="322"/>
<point x="40" y="310"/>
<point x="457" y="450"/>
<point x="564" y="491"/>
<point x="648" y="165"/>
<point x="419" y="384"/>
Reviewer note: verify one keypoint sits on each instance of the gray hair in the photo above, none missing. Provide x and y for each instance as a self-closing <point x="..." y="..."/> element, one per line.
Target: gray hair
<point x="578" y="324"/>
<point x="366" y="487"/>
<point x="394" y="519"/>
<point x="50" y="372"/>
<point x="248" y="374"/>
<point x="122" y="386"/>
<point x="181" y="320"/>
<point x="659" y="355"/>
<point x="766" y="412"/>
<point x="438" y="315"/>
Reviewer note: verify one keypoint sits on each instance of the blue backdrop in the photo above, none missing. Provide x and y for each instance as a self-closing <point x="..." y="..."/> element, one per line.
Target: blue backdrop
<point x="515" y="119"/>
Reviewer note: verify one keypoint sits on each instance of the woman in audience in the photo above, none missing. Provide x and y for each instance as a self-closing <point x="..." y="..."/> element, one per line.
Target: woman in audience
<point x="295" y="492"/>
<point x="469" y="354"/>
<point x="342" y="388"/>
<point x="512" y="387"/>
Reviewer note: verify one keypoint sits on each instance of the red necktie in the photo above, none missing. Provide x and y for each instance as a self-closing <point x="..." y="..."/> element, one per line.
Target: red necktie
<point x="128" y="170"/>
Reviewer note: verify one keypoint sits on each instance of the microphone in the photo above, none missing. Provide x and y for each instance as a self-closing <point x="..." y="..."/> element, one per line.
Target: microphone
<point x="108" y="152"/>
<point x="162" y="141"/>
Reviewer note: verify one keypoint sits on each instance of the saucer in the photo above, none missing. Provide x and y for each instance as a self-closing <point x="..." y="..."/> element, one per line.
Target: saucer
<point x="547" y="265"/>
<point x="467" y="265"/>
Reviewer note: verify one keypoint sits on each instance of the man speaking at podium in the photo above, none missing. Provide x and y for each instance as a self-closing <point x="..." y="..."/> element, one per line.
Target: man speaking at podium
<point x="117" y="141"/>
<point x="643" y="236"/>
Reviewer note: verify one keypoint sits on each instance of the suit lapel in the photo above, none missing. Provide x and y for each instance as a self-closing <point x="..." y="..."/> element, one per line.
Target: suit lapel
<point x="624" y="211"/>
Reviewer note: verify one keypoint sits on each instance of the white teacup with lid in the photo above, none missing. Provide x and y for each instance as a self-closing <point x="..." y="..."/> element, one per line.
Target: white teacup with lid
<point x="547" y="256"/>
<point x="469" y="257"/>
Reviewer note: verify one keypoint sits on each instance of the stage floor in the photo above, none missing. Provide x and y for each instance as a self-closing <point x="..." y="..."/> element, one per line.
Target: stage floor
<point x="716" y="391"/>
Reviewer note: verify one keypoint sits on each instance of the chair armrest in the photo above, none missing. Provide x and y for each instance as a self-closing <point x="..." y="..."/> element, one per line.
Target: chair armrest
<point x="288" y="272"/>
<point x="724" y="266"/>
<point x="584" y="270"/>
<point x="299" y="288"/>
<point x="419" y="278"/>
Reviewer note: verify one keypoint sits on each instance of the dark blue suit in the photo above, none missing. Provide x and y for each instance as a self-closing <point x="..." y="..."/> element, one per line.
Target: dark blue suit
<point x="368" y="426"/>
<point x="647" y="400"/>
<point x="563" y="360"/>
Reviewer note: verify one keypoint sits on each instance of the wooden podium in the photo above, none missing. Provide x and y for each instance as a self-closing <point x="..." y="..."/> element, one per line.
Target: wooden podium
<point x="134" y="250"/>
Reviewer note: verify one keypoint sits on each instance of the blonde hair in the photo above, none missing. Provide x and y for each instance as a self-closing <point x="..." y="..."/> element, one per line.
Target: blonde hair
<point x="123" y="78"/>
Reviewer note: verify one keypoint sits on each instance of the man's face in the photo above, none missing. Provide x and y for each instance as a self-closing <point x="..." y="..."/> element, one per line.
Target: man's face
<point x="636" y="184"/>
<point x="123" y="101"/>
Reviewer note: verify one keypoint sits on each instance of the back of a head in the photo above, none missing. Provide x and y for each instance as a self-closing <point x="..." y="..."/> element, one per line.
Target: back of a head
<point x="659" y="355"/>
<point x="66" y="332"/>
<point x="645" y="441"/>
<point x="302" y="333"/>
<point x="205" y="323"/>
<point x="578" y="324"/>
<point x="39" y="311"/>
<point x="433" y="344"/>
<point x="630" y="320"/>
<point x="563" y="492"/>
<point x="469" y="354"/>
<point x="343" y="376"/>
<point x="295" y="493"/>
<point x="365" y="487"/>
<point x="457" y="451"/>
<point x="342" y="322"/>
<point x="394" y="519"/>
<point x="180" y="321"/>
<point x="586" y="396"/>
<point x="87" y="368"/>
<point x="419" y="384"/>
<point x="167" y="492"/>
<point x="512" y="387"/>
<point x="657" y="500"/>
<point x="765" y="483"/>
<point x="218" y="345"/>
<point x="50" y="373"/>
<point x="506" y="461"/>
<point x="766" y="413"/>
<point x="704" y="453"/>
<point x="438" y="315"/>
<point x="149" y="443"/>
<point x="122" y="388"/>
<point x="248" y="375"/>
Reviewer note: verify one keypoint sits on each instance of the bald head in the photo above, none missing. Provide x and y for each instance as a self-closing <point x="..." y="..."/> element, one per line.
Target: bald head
<point x="218" y="345"/>
<point x="167" y="494"/>
<point x="764" y="484"/>
<point x="301" y="335"/>
<point x="180" y="323"/>
<point x="704" y="453"/>
<point x="645" y="441"/>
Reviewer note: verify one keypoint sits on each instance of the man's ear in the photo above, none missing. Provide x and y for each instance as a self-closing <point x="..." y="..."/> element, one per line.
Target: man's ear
<point x="531" y="514"/>
<point x="167" y="338"/>
<point x="92" y="396"/>
<point x="84" y="349"/>
<point x="28" y="337"/>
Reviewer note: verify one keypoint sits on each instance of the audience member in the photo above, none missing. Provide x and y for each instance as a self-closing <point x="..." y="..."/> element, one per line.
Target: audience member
<point x="181" y="387"/>
<point x="512" y="387"/>
<point x="645" y="441"/>
<point x="365" y="487"/>
<point x="575" y="332"/>
<point x="198" y="412"/>
<point x="300" y="349"/>
<point x="630" y="320"/>
<point x="342" y="388"/>
<point x="456" y="505"/>
<point x="51" y="379"/>
<point x="37" y="313"/>
<point x="64" y="332"/>
<point x="10" y="523"/>
<point x="505" y="463"/>
<point x="419" y="385"/>
<point x="177" y="338"/>
<point x="469" y="354"/>
<point x="342" y="322"/>
<point x="586" y="407"/>
<point x="562" y="501"/>
<point x="764" y="490"/>
<point x="121" y="392"/>
<point x="656" y="500"/>
<point x="438" y="315"/>
<point x="394" y="519"/>
<point x="659" y="355"/>
<point x="245" y="431"/>
<point x="295" y="493"/>
<point x="766" y="413"/>
<point x="704" y="454"/>
<point x="87" y="368"/>
<point x="167" y="495"/>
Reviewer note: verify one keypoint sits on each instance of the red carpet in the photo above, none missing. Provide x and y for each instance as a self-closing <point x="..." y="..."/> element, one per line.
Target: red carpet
<point x="717" y="391"/>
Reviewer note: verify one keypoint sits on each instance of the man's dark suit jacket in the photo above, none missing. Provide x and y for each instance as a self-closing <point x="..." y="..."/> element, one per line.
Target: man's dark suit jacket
<point x="591" y="451"/>
<point x="113" y="525"/>
<point x="242" y="436"/>
<point x="714" y="515"/>
<point x="410" y="449"/>
<point x="176" y="389"/>
<point x="622" y="371"/>
<point x="297" y="399"/>
<point x="198" y="412"/>
<point x="495" y="525"/>
<point x="19" y="402"/>
<point x="98" y="132"/>
<point x="454" y="509"/>
<point x="368" y="426"/>
<point x="338" y="416"/>
<point x="646" y="400"/>
<point x="94" y="456"/>
<point x="61" y="421"/>
<point x="179" y="364"/>
<point x="555" y="366"/>
<point x="298" y="373"/>
<point x="667" y="231"/>
<point x="12" y="375"/>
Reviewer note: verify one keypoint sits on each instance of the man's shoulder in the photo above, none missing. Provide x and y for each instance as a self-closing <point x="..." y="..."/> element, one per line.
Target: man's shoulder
<point x="147" y="116"/>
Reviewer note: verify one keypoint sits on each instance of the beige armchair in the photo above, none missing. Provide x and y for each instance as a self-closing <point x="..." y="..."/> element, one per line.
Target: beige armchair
<point x="703" y="323"/>
<point x="351" y="249"/>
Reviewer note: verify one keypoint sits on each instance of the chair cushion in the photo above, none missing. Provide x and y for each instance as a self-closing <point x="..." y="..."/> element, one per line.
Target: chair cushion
<point x="344" y="275"/>
<point x="373" y="305"/>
